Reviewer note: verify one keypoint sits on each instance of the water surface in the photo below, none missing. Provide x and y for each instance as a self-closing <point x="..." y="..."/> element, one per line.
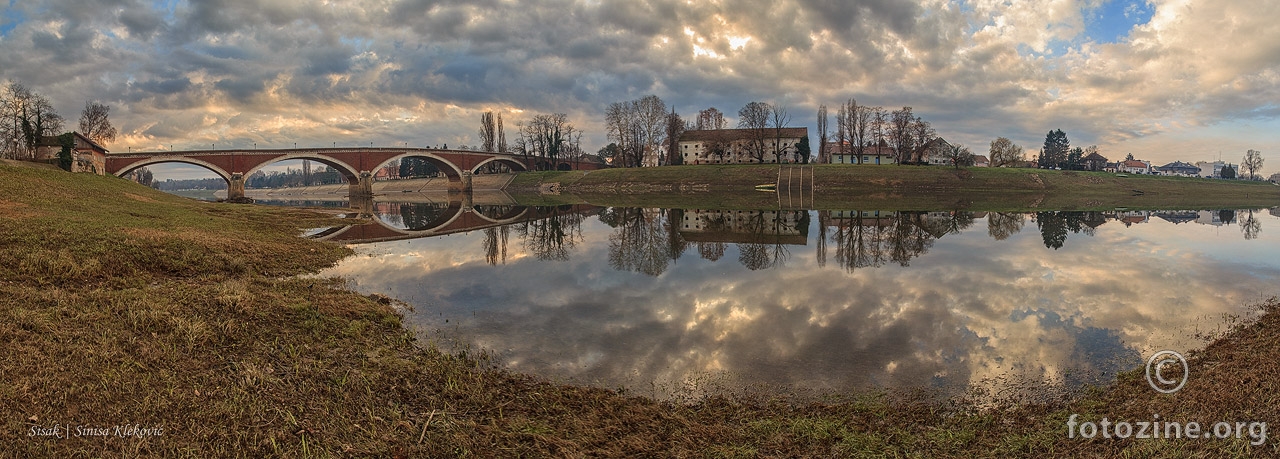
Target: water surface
<point x="670" y="301"/>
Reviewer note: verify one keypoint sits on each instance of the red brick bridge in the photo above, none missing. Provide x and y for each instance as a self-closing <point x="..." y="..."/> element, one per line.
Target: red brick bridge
<point x="357" y="165"/>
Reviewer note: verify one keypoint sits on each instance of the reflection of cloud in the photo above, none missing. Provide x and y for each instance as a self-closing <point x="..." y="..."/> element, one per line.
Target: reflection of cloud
<point x="971" y="308"/>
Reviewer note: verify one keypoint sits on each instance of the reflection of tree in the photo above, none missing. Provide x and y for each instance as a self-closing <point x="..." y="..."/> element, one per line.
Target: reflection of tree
<point x="640" y="242"/>
<point x="419" y="216"/>
<point x="1250" y="226"/>
<point x="1227" y="216"/>
<point x="495" y="244"/>
<point x="1055" y="225"/>
<point x="824" y="220"/>
<point x="552" y="237"/>
<point x="1001" y="225"/>
<point x="711" y="251"/>
<point x="676" y="244"/>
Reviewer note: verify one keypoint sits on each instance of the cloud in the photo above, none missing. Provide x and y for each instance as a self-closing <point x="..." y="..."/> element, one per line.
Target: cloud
<point x="1171" y="88"/>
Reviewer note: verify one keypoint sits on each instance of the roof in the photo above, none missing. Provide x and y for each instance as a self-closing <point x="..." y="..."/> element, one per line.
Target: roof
<point x="737" y="134"/>
<point x="1094" y="157"/>
<point x="980" y="159"/>
<point x="1178" y="165"/>
<point x="1133" y="163"/>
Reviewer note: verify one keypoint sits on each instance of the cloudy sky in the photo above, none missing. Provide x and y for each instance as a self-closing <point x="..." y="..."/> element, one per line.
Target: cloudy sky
<point x="1164" y="80"/>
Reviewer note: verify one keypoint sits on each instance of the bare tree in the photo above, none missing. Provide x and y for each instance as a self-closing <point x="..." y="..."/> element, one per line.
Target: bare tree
<point x="851" y="109"/>
<point x="842" y="132"/>
<point x="779" y="119"/>
<point x="755" y="117"/>
<point x="958" y="155"/>
<point x="710" y="119"/>
<point x="637" y="126"/>
<point x="28" y="117"/>
<point x="823" y="157"/>
<point x="921" y="133"/>
<point x="1004" y="152"/>
<point x="550" y="137"/>
<point x="1252" y="163"/>
<point x="879" y="125"/>
<point x="487" y="131"/>
<point x="95" y="123"/>
<point x="900" y="134"/>
<point x="502" y="137"/>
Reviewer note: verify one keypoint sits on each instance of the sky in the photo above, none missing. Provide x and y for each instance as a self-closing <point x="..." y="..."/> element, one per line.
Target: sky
<point x="1165" y="80"/>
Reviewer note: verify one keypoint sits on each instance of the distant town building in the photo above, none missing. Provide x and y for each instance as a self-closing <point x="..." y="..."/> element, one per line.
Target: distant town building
<point x="1211" y="169"/>
<point x="86" y="156"/>
<point x="1180" y="169"/>
<point x="733" y="146"/>
<point x="936" y="152"/>
<point x="981" y="161"/>
<point x="1135" y="167"/>
<point x="848" y="154"/>
<point x="1094" y="162"/>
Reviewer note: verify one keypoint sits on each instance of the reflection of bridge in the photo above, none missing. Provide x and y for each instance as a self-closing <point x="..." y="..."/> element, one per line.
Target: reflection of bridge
<point x="455" y="218"/>
<point x="357" y="165"/>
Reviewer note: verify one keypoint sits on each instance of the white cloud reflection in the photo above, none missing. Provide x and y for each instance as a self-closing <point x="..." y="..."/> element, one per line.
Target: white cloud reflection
<point x="968" y="309"/>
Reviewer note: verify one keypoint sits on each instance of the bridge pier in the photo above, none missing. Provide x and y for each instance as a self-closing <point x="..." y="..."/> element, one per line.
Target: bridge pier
<point x="463" y="184"/>
<point x="235" y="188"/>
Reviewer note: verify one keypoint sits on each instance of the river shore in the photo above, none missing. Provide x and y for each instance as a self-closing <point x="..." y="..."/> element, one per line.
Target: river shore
<point x="189" y="325"/>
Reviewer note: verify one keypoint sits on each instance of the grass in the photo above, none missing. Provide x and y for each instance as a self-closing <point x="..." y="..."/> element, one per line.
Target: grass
<point x="123" y="305"/>
<point x="835" y="186"/>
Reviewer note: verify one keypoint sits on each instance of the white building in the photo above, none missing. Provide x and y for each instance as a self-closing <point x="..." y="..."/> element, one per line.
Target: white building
<point x="735" y="146"/>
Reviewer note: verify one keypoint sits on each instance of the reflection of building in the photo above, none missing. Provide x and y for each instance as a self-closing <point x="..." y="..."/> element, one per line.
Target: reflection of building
<point x="1133" y="216"/>
<point x="746" y="226"/>
<point x="1178" y="216"/>
<point x="1214" y="217"/>
<point x="86" y="156"/>
<point x="736" y="146"/>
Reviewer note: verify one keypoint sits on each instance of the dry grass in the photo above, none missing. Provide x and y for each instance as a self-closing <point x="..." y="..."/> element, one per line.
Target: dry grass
<point x="893" y="187"/>
<point x="187" y="316"/>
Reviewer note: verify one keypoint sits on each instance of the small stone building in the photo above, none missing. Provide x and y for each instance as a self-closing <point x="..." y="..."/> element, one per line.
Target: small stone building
<point x="86" y="155"/>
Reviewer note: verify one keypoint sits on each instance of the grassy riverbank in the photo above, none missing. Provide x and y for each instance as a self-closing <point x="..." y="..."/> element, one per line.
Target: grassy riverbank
<point x="126" y="306"/>
<point x="835" y="186"/>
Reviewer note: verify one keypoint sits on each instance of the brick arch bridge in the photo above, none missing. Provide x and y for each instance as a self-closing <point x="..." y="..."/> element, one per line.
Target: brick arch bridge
<point x="357" y="165"/>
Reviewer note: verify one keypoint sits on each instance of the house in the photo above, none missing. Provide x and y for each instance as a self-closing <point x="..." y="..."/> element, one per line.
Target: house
<point x="734" y="146"/>
<point x="1135" y="167"/>
<point x="1180" y="169"/>
<point x="847" y="154"/>
<point x="981" y="161"/>
<point x="86" y="155"/>
<point x="1094" y="162"/>
<point x="936" y="152"/>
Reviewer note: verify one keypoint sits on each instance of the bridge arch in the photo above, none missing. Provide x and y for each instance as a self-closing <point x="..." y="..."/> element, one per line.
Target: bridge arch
<point x="513" y="214"/>
<point x="509" y="162"/>
<point x="195" y="162"/>
<point x="343" y="168"/>
<point x="449" y="169"/>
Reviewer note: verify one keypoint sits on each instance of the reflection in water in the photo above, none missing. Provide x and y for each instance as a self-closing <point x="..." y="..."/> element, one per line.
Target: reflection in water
<point x="913" y="298"/>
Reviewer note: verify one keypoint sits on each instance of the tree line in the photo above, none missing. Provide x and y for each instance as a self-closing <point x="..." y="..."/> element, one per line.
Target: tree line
<point x="27" y="118"/>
